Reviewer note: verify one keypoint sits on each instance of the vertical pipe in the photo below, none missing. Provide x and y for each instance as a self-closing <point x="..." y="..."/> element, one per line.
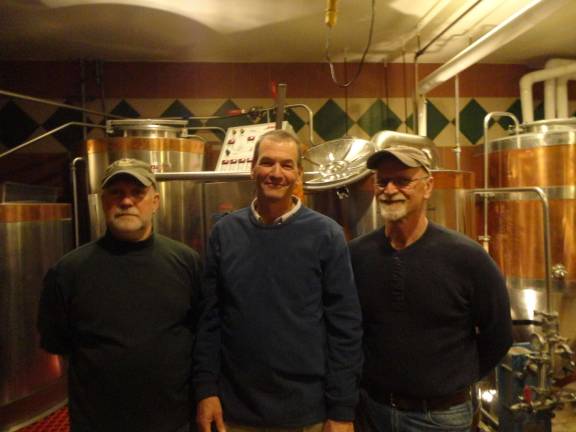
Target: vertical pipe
<point x="458" y="148"/>
<point x="74" y="173"/>
<point x="280" y="102"/>
<point x="83" y="97"/>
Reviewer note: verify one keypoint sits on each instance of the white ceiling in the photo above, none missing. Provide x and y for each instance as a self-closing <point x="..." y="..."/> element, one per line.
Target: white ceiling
<point x="269" y="30"/>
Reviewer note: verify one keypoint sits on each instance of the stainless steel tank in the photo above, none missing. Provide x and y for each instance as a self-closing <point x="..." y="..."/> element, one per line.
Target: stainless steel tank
<point x="543" y="156"/>
<point x="32" y="238"/>
<point x="338" y="184"/>
<point x="166" y="145"/>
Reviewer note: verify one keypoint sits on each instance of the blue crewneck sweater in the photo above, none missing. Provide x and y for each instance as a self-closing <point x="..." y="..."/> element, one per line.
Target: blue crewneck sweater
<point x="279" y="340"/>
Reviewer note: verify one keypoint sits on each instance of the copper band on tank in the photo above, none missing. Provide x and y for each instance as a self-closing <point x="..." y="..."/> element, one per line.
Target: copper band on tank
<point x="147" y="144"/>
<point x="538" y="166"/>
<point x="453" y="179"/>
<point x="516" y="238"/>
<point x="16" y="212"/>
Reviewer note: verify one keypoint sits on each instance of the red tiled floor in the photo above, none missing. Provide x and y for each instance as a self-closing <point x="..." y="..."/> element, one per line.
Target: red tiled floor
<point x="55" y="422"/>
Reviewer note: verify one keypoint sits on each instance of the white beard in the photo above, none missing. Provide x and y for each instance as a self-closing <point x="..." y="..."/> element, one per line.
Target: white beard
<point x="393" y="212"/>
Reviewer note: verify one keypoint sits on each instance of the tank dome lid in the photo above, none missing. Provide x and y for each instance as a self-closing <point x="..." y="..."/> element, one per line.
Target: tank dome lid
<point x="336" y="164"/>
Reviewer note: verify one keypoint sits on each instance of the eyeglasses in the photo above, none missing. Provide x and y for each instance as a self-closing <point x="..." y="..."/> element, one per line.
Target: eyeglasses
<point x="399" y="182"/>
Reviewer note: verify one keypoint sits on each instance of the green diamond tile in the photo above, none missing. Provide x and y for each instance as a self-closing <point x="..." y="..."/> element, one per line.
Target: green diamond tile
<point x="377" y="118"/>
<point x="539" y="112"/>
<point x="472" y="121"/>
<point x="124" y="109"/>
<point x="436" y="120"/>
<point x="330" y="121"/>
<point x="69" y="137"/>
<point x="410" y="122"/>
<point x="225" y="123"/>
<point x="15" y="124"/>
<point x="178" y="109"/>
<point x="294" y="119"/>
<point x="516" y="109"/>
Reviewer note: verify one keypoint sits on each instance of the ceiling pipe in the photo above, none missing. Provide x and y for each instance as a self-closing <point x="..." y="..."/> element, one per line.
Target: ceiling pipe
<point x="528" y="80"/>
<point x="505" y="32"/>
<point x="552" y="106"/>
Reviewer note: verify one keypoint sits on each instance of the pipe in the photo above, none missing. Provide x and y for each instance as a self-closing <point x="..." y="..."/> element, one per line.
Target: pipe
<point x="56" y="104"/>
<point x="487" y="192"/>
<point x="50" y="132"/>
<point x="280" y="103"/>
<point x="458" y="148"/>
<point x="485" y="238"/>
<point x="529" y="79"/>
<point x="386" y="139"/>
<point x="519" y="23"/>
<point x="73" y="173"/>
<point x="203" y="176"/>
<point x="83" y="97"/>
<point x="551" y="104"/>
<point x="562" y="96"/>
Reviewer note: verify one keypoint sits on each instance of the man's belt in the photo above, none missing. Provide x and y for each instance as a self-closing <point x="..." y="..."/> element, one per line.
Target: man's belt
<point x="404" y="403"/>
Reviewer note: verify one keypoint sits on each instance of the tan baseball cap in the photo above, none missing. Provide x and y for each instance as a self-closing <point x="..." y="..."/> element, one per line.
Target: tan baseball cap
<point x="138" y="169"/>
<point x="410" y="156"/>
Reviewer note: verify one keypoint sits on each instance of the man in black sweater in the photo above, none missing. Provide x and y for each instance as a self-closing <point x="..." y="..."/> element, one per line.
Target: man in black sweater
<point x="279" y="338"/>
<point x="435" y="307"/>
<point x="122" y="311"/>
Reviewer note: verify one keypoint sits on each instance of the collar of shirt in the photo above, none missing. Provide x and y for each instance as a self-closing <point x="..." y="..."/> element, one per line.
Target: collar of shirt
<point x="281" y="219"/>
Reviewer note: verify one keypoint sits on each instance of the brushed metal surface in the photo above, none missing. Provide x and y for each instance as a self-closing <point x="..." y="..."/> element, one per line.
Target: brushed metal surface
<point x="546" y="160"/>
<point x="27" y="250"/>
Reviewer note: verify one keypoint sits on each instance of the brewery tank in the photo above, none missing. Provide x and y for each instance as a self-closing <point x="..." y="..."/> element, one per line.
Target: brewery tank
<point x="166" y="146"/>
<point x="338" y="184"/>
<point x="543" y="155"/>
<point x="33" y="236"/>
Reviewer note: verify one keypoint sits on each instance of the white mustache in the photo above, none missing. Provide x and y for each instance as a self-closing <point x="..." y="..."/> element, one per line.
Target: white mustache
<point x="119" y="214"/>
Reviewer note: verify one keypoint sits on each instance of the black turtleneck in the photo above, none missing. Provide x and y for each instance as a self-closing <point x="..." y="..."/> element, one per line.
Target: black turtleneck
<point x="124" y="314"/>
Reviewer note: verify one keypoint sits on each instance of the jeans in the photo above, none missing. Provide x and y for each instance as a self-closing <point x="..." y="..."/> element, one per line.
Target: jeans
<point x="384" y="418"/>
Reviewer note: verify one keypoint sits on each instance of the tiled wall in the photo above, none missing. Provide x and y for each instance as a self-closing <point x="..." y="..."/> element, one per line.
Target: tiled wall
<point x="380" y="99"/>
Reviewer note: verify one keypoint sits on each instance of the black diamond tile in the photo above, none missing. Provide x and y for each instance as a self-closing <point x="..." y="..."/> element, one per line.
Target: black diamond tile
<point x="124" y="109"/>
<point x="472" y="121"/>
<point x="379" y="117"/>
<point x="436" y="120"/>
<point x="225" y="123"/>
<point x="70" y="137"/>
<point x="330" y="121"/>
<point x="15" y="125"/>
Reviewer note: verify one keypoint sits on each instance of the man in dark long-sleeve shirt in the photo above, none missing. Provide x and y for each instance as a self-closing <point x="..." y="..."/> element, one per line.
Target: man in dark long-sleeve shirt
<point x="122" y="310"/>
<point x="435" y="307"/>
<point x="279" y="337"/>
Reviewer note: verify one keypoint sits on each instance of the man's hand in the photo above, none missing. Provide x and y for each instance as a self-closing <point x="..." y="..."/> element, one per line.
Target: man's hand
<point x="338" y="426"/>
<point x="209" y="411"/>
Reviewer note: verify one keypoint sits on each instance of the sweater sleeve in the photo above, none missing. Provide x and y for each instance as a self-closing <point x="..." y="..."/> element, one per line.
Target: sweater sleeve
<point x="53" y="317"/>
<point x="491" y="307"/>
<point x="344" y="330"/>
<point x="206" y="356"/>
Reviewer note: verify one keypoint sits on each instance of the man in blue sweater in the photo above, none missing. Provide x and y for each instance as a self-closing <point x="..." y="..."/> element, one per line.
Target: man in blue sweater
<point x="435" y="307"/>
<point x="279" y="337"/>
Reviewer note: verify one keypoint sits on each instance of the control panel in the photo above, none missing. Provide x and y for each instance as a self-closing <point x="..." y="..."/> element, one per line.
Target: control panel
<point x="238" y="146"/>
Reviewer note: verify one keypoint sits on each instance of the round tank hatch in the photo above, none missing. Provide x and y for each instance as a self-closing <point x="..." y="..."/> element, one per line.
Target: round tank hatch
<point x="147" y="128"/>
<point x="336" y="164"/>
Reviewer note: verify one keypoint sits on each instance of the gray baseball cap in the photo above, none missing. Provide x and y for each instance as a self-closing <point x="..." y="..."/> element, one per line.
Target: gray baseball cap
<point x="138" y="169"/>
<point x="409" y="156"/>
